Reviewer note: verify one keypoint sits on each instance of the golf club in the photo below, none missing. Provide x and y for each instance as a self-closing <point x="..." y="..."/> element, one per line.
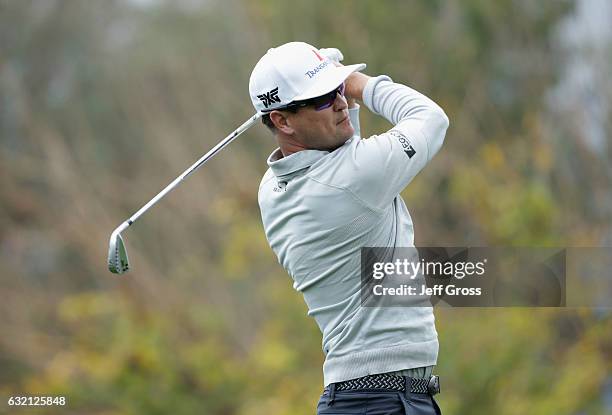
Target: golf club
<point x="118" y="262"/>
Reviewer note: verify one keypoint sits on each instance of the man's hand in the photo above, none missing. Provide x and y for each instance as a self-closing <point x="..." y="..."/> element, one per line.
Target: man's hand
<point x="332" y="54"/>
<point x="354" y="85"/>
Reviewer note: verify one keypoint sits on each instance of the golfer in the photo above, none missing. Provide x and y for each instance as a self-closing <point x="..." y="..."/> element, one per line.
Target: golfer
<point x="327" y="194"/>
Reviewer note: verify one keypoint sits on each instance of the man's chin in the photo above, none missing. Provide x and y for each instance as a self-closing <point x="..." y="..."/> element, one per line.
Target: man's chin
<point x="349" y="132"/>
<point x="341" y="142"/>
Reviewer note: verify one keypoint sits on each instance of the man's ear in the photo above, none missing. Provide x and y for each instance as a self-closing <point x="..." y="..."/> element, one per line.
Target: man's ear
<point x="281" y="122"/>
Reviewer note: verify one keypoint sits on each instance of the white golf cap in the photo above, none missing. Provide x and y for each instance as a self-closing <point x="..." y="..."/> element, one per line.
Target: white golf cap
<point x="294" y="71"/>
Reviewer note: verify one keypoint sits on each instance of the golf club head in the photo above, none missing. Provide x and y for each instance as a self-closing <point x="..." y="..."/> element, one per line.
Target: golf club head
<point x="118" y="262"/>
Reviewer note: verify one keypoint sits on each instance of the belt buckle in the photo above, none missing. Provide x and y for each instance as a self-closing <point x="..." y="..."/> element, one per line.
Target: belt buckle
<point x="433" y="386"/>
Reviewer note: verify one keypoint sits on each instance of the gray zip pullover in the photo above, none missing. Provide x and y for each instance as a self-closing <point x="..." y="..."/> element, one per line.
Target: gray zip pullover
<point x="320" y="208"/>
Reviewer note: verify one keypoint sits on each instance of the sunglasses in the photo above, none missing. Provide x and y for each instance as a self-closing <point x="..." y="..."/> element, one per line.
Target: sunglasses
<point x="319" y="103"/>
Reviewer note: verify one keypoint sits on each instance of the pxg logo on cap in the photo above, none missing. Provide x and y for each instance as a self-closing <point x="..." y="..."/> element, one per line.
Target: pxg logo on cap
<point x="269" y="97"/>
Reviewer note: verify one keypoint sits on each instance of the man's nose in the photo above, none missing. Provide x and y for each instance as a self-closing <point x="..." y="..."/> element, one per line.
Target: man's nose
<point x="340" y="103"/>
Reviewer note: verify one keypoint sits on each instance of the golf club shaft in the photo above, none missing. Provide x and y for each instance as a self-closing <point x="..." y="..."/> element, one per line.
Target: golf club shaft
<point x="247" y="124"/>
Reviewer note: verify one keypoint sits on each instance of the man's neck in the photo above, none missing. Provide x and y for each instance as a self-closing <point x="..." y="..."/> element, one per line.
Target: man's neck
<point x="289" y="146"/>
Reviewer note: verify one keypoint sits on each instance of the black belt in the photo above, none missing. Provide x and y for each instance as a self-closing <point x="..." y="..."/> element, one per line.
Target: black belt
<point x="430" y="385"/>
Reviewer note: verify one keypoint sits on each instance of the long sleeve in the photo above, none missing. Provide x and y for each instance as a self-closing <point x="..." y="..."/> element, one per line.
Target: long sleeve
<point x="382" y="166"/>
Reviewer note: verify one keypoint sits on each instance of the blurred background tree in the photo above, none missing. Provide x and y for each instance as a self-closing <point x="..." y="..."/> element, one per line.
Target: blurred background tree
<point x="103" y="103"/>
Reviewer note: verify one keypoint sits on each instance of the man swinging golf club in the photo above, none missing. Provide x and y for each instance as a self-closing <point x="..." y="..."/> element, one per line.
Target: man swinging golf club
<point x="327" y="194"/>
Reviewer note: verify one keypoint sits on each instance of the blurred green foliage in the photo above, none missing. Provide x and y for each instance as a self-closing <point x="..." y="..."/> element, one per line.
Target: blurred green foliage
<point x="103" y="103"/>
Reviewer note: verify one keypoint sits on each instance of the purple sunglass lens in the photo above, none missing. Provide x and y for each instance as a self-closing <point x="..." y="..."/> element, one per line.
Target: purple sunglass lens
<point x="332" y="98"/>
<point x="324" y="106"/>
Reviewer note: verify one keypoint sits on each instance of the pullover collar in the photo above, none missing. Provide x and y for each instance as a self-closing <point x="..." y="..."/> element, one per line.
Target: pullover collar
<point x="285" y="168"/>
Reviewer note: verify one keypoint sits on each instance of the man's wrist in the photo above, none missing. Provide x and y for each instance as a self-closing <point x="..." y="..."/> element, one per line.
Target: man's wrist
<point x="368" y="91"/>
<point x="355" y="85"/>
